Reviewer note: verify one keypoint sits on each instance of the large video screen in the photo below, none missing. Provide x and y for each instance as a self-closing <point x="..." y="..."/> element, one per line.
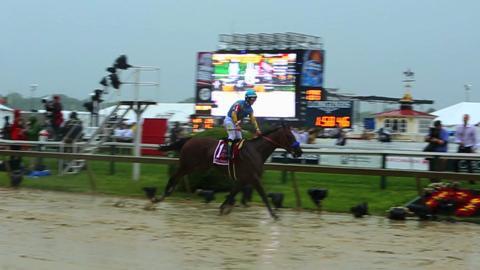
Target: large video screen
<point x="271" y="75"/>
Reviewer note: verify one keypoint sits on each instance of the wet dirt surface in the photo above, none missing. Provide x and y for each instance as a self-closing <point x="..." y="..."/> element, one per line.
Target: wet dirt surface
<point x="55" y="230"/>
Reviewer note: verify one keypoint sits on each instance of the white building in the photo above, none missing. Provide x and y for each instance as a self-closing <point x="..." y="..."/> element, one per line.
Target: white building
<point x="405" y="123"/>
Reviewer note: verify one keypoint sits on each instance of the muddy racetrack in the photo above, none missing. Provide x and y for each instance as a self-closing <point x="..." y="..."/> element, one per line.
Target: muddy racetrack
<point x="53" y="230"/>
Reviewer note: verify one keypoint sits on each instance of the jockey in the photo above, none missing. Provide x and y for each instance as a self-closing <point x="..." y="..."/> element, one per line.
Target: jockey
<point x="239" y="110"/>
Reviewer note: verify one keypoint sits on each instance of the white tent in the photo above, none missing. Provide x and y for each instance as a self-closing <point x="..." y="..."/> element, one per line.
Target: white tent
<point x="5" y="111"/>
<point x="453" y="115"/>
<point x="172" y="111"/>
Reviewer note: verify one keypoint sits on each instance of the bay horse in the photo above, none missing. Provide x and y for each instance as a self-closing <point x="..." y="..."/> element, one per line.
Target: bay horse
<point x="196" y="154"/>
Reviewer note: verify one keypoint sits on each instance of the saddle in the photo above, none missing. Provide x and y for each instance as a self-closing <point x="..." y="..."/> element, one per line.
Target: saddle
<point x="220" y="153"/>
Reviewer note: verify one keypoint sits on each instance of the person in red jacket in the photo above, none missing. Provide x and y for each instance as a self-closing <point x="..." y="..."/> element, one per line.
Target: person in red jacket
<point x="57" y="117"/>
<point x="17" y="133"/>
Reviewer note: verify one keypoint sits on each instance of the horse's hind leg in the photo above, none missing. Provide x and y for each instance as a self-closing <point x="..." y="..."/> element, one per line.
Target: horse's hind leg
<point x="229" y="202"/>
<point x="172" y="183"/>
<point x="258" y="186"/>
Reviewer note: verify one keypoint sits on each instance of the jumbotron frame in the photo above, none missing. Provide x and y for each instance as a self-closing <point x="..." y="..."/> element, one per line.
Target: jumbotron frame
<point x="264" y="41"/>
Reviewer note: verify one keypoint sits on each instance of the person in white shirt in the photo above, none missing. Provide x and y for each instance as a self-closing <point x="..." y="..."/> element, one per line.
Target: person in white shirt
<point x="127" y="134"/>
<point x="117" y="133"/>
<point x="466" y="138"/>
<point x="123" y="133"/>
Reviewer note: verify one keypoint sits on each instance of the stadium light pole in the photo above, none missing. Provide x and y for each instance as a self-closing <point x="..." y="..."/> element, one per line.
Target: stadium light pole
<point x="138" y="112"/>
<point x="138" y="131"/>
<point x="33" y="87"/>
<point x="467" y="92"/>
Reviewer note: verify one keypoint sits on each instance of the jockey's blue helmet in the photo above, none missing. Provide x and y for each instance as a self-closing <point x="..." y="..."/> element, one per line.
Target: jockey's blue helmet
<point x="250" y="94"/>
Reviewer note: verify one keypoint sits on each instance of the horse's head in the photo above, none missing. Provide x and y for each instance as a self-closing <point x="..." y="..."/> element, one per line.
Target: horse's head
<point x="283" y="137"/>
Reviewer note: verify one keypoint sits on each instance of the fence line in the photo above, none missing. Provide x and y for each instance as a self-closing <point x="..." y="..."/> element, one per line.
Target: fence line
<point x="323" y="151"/>
<point x="268" y="166"/>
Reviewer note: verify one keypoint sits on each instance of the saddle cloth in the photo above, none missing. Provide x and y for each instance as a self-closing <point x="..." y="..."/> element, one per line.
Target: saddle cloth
<point x="220" y="153"/>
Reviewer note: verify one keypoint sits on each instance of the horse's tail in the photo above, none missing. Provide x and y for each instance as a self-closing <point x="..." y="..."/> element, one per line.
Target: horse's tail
<point x="177" y="145"/>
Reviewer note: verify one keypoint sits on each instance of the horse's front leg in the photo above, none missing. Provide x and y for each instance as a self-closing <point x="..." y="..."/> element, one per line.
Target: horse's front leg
<point x="229" y="202"/>
<point x="258" y="186"/>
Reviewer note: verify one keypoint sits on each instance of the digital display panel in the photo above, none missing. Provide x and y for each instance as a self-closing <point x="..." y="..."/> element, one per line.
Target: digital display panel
<point x="312" y="68"/>
<point x="328" y="114"/>
<point x="271" y="75"/>
<point x="314" y="94"/>
<point x="199" y="123"/>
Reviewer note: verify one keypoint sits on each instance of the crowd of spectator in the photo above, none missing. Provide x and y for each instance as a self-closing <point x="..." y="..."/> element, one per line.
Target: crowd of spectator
<point x="39" y="128"/>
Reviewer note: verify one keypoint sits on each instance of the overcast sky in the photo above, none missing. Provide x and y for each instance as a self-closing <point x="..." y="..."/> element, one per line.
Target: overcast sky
<point x="65" y="46"/>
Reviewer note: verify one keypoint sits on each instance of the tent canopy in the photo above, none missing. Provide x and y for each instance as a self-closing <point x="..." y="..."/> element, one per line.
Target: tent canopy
<point x="5" y="108"/>
<point x="453" y="115"/>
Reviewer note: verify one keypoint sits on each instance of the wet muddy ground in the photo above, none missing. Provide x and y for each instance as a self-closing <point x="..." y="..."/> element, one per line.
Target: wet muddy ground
<point x="54" y="230"/>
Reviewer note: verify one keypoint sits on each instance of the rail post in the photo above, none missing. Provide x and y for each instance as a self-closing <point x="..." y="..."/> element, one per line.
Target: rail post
<point x="298" y="202"/>
<point x="284" y="172"/>
<point x="91" y="177"/>
<point x="61" y="161"/>
<point x="112" y="163"/>
<point x="418" y="181"/>
<point x="383" y="178"/>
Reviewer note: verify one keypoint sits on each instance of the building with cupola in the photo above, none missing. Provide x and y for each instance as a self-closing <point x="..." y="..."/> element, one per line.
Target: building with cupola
<point x="405" y="123"/>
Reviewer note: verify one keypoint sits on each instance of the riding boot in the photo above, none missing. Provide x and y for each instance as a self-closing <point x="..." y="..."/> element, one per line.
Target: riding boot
<point x="229" y="149"/>
<point x="235" y="141"/>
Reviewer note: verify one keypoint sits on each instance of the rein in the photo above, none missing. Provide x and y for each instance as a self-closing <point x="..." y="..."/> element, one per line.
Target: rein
<point x="277" y="144"/>
<point x="273" y="142"/>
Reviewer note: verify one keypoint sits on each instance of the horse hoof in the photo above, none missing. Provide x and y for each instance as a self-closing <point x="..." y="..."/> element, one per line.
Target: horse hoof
<point x="149" y="207"/>
<point x="120" y="203"/>
<point x="156" y="200"/>
<point x="226" y="210"/>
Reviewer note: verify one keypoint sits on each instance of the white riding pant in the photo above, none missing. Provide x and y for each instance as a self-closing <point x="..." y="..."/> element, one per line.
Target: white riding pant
<point x="230" y="127"/>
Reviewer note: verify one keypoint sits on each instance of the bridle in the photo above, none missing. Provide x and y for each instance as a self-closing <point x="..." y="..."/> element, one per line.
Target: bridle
<point x="288" y="148"/>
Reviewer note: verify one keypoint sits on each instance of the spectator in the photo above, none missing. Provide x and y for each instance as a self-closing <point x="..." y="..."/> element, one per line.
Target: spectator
<point x="466" y="138"/>
<point x="7" y="128"/>
<point x="33" y="128"/>
<point x="437" y="142"/>
<point x="18" y="134"/>
<point x="123" y="133"/>
<point x="384" y="135"/>
<point x="300" y="135"/>
<point x="340" y="134"/>
<point x="176" y="132"/>
<point x="48" y="106"/>
<point x="72" y="130"/>
<point x="128" y="133"/>
<point x="31" y="131"/>
<point x="437" y="138"/>
<point x="17" y="131"/>
<point x="313" y="133"/>
<point x="57" y="117"/>
<point x="117" y="133"/>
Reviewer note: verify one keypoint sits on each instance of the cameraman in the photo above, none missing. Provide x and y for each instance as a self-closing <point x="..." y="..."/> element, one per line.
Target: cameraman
<point x="437" y="142"/>
<point x="48" y="106"/>
<point x="437" y="138"/>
